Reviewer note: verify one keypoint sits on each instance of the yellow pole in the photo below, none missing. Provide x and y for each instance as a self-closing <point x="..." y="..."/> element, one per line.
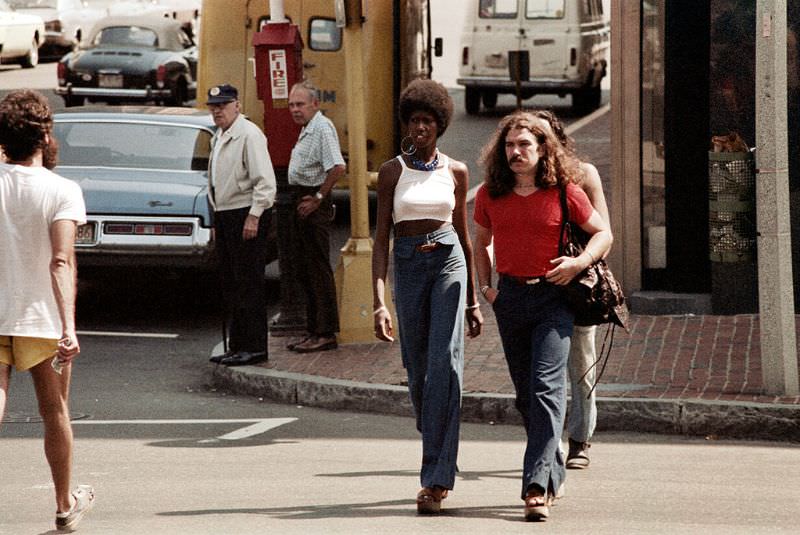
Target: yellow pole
<point x="354" y="269"/>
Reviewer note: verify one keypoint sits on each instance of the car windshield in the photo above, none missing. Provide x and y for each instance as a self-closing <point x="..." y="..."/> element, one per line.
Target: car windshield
<point x="126" y="36"/>
<point x="133" y="145"/>
<point x="28" y="4"/>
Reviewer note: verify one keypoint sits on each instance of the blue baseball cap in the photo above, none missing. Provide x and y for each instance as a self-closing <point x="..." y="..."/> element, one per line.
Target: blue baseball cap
<point x="220" y="94"/>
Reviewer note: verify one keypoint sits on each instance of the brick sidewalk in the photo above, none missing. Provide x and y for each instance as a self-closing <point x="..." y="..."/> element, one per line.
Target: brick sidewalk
<point x="712" y="358"/>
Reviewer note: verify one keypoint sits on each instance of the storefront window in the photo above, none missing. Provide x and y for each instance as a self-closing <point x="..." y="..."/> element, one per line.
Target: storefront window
<point x="654" y="251"/>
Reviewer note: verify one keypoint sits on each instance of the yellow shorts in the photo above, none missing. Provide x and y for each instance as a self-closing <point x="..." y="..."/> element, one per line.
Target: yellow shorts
<point x="24" y="353"/>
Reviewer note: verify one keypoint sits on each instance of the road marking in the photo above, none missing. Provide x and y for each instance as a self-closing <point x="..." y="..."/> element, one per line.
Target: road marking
<point x="257" y="425"/>
<point x="256" y="429"/>
<point x="127" y="334"/>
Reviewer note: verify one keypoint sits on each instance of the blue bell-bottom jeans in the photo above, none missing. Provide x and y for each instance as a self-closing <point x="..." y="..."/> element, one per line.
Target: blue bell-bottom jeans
<point x="535" y="326"/>
<point x="430" y="295"/>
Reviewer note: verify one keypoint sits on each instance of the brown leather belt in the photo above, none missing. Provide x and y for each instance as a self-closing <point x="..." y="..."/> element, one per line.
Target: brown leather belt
<point x="428" y="247"/>
<point x="525" y="280"/>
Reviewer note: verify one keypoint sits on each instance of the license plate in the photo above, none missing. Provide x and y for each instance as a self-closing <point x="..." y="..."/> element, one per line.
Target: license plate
<point x="85" y="234"/>
<point x="110" y="80"/>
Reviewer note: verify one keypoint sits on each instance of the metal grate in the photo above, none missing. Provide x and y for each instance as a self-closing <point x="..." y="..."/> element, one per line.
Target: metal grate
<point x="731" y="206"/>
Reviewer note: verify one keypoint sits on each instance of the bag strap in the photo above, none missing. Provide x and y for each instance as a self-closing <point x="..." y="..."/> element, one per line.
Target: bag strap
<point x="563" y="238"/>
<point x="605" y="353"/>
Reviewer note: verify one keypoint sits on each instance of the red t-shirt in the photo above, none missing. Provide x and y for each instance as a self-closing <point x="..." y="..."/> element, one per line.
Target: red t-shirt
<point x="526" y="230"/>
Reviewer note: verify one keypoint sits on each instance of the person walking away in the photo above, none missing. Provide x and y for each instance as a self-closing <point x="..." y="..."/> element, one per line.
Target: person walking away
<point x="241" y="191"/>
<point x="518" y="212"/>
<point x="316" y="164"/>
<point x="422" y="198"/>
<point x="581" y="363"/>
<point x="39" y="215"/>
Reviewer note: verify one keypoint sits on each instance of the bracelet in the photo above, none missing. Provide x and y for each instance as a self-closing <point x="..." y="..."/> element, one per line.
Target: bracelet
<point x="473" y="307"/>
<point x="377" y="310"/>
<point x="485" y="289"/>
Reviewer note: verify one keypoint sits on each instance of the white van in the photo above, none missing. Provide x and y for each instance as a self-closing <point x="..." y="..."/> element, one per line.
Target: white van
<point x="555" y="46"/>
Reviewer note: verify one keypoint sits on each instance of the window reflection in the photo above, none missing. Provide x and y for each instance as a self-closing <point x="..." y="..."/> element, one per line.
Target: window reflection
<point x="654" y="252"/>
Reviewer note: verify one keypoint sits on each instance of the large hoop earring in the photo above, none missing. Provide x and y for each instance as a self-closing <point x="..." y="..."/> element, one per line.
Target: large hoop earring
<point x="411" y="148"/>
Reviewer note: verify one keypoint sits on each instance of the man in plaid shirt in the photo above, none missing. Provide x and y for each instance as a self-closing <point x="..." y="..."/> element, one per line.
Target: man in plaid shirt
<point x="315" y="166"/>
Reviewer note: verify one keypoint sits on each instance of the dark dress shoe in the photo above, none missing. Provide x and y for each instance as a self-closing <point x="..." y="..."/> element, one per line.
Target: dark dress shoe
<point x="291" y="345"/>
<point x="216" y="359"/>
<point x="244" y="358"/>
<point x="320" y="344"/>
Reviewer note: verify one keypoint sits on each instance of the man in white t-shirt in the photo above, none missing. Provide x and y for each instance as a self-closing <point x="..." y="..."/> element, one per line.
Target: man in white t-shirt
<point x="39" y="214"/>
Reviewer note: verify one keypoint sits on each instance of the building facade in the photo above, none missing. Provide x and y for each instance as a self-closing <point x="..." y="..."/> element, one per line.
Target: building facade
<point x="683" y="72"/>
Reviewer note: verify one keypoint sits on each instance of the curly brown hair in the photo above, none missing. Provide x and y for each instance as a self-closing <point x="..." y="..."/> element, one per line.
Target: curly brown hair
<point x="556" y="165"/>
<point x="426" y="95"/>
<point x="26" y="122"/>
<point x="558" y="128"/>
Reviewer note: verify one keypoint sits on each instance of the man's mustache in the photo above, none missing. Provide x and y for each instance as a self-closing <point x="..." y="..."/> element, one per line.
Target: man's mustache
<point x="515" y="158"/>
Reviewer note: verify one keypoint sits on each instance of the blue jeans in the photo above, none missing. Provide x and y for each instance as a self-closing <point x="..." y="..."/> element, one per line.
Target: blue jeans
<point x="430" y="295"/>
<point x="582" y="408"/>
<point x="535" y="325"/>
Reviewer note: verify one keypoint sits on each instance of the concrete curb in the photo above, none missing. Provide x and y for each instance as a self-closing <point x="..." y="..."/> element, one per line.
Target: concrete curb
<point x="686" y="417"/>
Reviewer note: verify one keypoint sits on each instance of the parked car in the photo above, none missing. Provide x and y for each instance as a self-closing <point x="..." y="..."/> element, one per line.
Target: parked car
<point x="143" y="171"/>
<point x="131" y="59"/>
<point x="66" y="23"/>
<point x="21" y="35"/>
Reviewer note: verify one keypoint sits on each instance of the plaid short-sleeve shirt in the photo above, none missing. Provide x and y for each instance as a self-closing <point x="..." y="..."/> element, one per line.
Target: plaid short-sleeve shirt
<point x="315" y="153"/>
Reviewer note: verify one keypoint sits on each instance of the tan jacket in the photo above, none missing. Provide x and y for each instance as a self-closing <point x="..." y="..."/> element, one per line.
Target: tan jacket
<point x="245" y="176"/>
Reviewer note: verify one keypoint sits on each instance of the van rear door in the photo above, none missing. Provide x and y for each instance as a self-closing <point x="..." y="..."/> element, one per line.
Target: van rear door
<point x="544" y="30"/>
<point x="496" y="31"/>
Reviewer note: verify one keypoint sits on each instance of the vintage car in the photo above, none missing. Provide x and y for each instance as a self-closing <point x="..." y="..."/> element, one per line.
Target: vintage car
<point x="66" y="23"/>
<point x="21" y="35"/>
<point x="131" y="59"/>
<point x="143" y="172"/>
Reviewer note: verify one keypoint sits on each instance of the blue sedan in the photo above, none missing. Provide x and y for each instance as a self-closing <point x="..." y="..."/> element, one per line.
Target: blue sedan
<point x="143" y="171"/>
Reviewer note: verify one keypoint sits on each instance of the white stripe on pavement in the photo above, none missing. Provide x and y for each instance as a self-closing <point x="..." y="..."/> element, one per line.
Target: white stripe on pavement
<point x="127" y="334"/>
<point x="257" y="427"/>
<point x="180" y="422"/>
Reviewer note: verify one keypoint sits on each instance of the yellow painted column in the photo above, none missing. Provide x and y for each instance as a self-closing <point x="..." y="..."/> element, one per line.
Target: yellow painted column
<point x="354" y="269"/>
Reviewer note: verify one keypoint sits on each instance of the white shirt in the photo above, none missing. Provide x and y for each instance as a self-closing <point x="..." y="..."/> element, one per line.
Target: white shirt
<point x="31" y="199"/>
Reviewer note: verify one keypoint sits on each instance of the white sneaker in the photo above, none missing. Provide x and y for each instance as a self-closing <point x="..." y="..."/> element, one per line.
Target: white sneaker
<point x="84" y="501"/>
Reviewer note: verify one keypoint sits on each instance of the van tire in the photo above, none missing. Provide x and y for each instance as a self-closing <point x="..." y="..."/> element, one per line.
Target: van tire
<point x="472" y="101"/>
<point x="31" y="59"/>
<point x="489" y="99"/>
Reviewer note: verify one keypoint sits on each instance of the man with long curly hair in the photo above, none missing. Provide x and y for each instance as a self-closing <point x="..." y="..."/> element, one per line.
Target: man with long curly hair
<point x="518" y="209"/>
<point x="39" y="214"/>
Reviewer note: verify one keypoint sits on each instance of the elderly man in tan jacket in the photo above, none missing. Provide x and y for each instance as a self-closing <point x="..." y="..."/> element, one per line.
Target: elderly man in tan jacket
<point x="241" y="191"/>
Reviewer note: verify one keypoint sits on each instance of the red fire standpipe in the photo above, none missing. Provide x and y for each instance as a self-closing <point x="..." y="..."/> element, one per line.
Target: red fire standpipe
<point x="279" y="65"/>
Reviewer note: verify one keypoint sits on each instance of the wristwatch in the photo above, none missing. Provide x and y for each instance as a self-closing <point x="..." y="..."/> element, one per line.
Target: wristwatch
<point x="319" y="196"/>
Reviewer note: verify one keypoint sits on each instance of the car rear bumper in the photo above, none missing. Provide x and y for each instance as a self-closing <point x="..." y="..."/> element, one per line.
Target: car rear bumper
<point x="145" y="250"/>
<point x="144" y="94"/>
<point x="536" y="85"/>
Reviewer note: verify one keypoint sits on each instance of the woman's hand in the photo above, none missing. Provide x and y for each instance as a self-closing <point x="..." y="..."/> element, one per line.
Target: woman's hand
<point x="474" y="322"/>
<point x="383" y="324"/>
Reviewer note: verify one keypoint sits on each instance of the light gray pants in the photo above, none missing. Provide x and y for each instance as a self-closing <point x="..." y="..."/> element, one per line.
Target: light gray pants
<point x="582" y="414"/>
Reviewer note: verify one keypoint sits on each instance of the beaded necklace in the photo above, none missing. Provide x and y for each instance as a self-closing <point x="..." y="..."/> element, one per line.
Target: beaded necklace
<point x="419" y="165"/>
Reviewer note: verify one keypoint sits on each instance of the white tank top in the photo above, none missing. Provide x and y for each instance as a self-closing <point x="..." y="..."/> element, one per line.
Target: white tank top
<point x="425" y="194"/>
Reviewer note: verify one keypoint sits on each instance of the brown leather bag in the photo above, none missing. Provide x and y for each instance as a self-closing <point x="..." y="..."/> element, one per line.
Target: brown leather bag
<point x="594" y="294"/>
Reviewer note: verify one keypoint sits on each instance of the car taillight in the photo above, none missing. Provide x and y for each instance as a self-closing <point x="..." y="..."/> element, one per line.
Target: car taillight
<point x="465" y="55"/>
<point x="149" y="229"/>
<point x="161" y="75"/>
<point x="573" y="56"/>
<point x="62" y="71"/>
